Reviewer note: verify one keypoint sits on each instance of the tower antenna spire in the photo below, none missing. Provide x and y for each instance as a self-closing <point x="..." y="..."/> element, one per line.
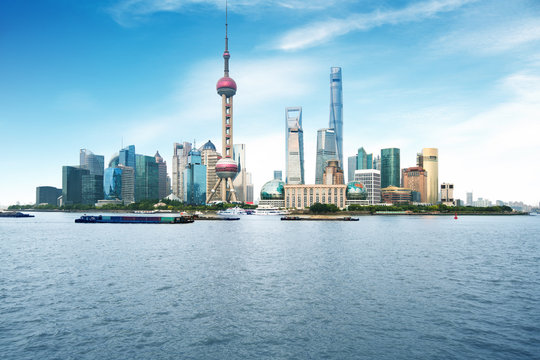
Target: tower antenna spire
<point x="226" y="54"/>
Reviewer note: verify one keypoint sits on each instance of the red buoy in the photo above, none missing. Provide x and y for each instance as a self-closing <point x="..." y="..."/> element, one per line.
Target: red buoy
<point x="455" y="215"/>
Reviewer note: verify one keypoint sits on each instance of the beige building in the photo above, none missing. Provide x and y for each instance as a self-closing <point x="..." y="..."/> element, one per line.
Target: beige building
<point x="396" y="195"/>
<point x="209" y="157"/>
<point x="303" y="196"/>
<point x="447" y="194"/>
<point x="415" y="178"/>
<point x="333" y="174"/>
<point x="429" y="160"/>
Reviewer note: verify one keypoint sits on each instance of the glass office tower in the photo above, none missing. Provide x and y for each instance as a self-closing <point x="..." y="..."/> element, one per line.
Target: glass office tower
<point x="429" y="160"/>
<point x="94" y="163"/>
<point x="146" y="178"/>
<point x="351" y="167"/>
<point x="72" y="184"/>
<point x="336" y="110"/>
<point x="195" y="180"/>
<point x="390" y="168"/>
<point x="294" y="146"/>
<point x="326" y="150"/>
<point x="126" y="156"/>
<point x="112" y="184"/>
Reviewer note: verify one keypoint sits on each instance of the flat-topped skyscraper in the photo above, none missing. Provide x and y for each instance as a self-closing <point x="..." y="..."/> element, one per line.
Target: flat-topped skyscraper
<point x="294" y="146"/>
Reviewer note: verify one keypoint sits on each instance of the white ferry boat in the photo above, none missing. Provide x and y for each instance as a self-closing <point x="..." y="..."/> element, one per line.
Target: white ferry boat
<point x="232" y="211"/>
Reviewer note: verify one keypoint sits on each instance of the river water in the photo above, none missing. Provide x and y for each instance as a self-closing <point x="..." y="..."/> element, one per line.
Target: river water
<point x="385" y="287"/>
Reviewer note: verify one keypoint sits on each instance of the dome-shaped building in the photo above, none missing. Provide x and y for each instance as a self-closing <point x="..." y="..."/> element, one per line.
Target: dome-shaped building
<point x="208" y="146"/>
<point x="356" y="191"/>
<point x="273" y="190"/>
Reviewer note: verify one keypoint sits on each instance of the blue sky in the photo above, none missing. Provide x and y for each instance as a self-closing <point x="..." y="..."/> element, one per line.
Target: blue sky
<point x="459" y="75"/>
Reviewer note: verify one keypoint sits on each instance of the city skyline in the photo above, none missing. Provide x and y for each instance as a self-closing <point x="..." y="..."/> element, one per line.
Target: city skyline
<point x="454" y="75"/>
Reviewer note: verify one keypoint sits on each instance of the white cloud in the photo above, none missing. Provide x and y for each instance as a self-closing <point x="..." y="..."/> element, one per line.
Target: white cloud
<point x="323" y="31"/>
<point x="127" y="11"/>
<point x="494" y="39"/>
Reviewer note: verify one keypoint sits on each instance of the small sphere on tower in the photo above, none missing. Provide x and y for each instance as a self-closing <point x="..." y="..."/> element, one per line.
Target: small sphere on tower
<point x="226" y="168"/>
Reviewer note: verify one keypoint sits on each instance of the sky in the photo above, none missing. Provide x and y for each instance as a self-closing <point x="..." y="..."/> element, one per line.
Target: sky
<point x="459" y="75"/>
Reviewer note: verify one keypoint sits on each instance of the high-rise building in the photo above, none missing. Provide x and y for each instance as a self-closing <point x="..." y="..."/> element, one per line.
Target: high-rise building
<point x="390" y="168"/>
<point x="377" y="163"/>
<point x="210" y="157"/>
<point x="447" y="194"/>
<point x="241" y="180"/>
<point x="469" y="199"/>
<point x="333" y="174"/>
<point x="278" y="175"/>
<point x="47" y="195"/>
<point x="351" y="167"/>
<point x="249" y="188"/>
<point x="415" y="178"/>
<point x="94" y="163"/>
<point x="112" y="183"/>
<point x="72" y="184"/>
<point x="294" y="146"/>
<point x="195" y="180"/>
<point x="126" y="156"/>
<point x="361" y="159"/>
<point x="371" y="178"/>
<point x="92" y="189"/>
<point x="162" y="176"/>
<point x="128" y="184"/>
<point x="179" y="162"/>
<point x="226" y="167"/>
<point x="146" y="178"/>
<point x="326" y="150"/>
<point x="429" y="160"/>
<point x="336" y="110"/>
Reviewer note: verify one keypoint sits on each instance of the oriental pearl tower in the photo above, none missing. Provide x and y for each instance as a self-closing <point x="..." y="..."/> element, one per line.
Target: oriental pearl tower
<point x="226" y="167"/>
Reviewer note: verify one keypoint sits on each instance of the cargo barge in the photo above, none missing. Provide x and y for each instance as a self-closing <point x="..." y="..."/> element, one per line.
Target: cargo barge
<point x="328" y="218"/>
<point x="91" y="219"/>
<point x="15" y="215"/>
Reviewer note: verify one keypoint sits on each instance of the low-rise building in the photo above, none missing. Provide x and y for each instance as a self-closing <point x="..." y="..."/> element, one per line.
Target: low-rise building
<point x="303" y="196"/>
<point x="396" y="195"/>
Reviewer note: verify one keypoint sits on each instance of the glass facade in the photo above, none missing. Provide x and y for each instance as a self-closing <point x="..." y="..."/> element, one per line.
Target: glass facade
<point x="47" y="195"/>
<point x="390" y="167"/>
<point x="278" y="175"/>
<point x="126" y="156"/>
<point x="336" y="110"/>
<point x="146" y="178"/>
<point x="351" y="167"/>
<point x="92" y="189"/>
<point x="94" y="163"/>
<point x="273" y="190"/>
<point x="195" y="180"/>
<point x="72" y="184"/>
<point x="361" y="159"/>
<point x="112" y="184"/>
<point x="294" y="143"/>
<point x="326" y="151"/>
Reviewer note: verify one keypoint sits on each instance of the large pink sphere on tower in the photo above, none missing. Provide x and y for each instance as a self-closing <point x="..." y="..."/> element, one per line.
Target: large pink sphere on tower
<point x="226" y="85"/>
<point x="226" y="168"/>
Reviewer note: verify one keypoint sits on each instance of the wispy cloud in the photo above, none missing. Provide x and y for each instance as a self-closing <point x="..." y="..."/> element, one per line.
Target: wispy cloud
<point x="498" y="38"/>
<point x="127" y="12"/>
<point x="323" y="31"/>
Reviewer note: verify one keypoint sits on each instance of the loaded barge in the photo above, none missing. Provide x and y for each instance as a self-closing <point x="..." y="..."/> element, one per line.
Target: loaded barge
<point x="91" y="219"/>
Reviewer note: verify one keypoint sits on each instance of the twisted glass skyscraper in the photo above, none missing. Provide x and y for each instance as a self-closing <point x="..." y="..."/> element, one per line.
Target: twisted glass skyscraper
<point x="336" y="110"/>
<point x="294" y="143"/>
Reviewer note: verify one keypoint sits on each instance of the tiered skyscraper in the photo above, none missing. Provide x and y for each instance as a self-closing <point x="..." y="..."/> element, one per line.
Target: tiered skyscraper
<point x="336" y="110"/>
<point x="294" y="146"/>
<point x="226" y="168"/>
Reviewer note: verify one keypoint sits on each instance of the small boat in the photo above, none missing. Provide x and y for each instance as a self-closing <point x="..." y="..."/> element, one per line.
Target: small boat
<point x="291" y="218"/>
<point x="92" y="219"/>
<point x="267" y="212"/>
<point x="15" y="215"/>
<point x="534" y="213"/>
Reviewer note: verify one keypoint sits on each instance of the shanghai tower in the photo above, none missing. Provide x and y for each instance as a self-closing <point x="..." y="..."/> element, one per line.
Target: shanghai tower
<point x="336" y="110"/>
